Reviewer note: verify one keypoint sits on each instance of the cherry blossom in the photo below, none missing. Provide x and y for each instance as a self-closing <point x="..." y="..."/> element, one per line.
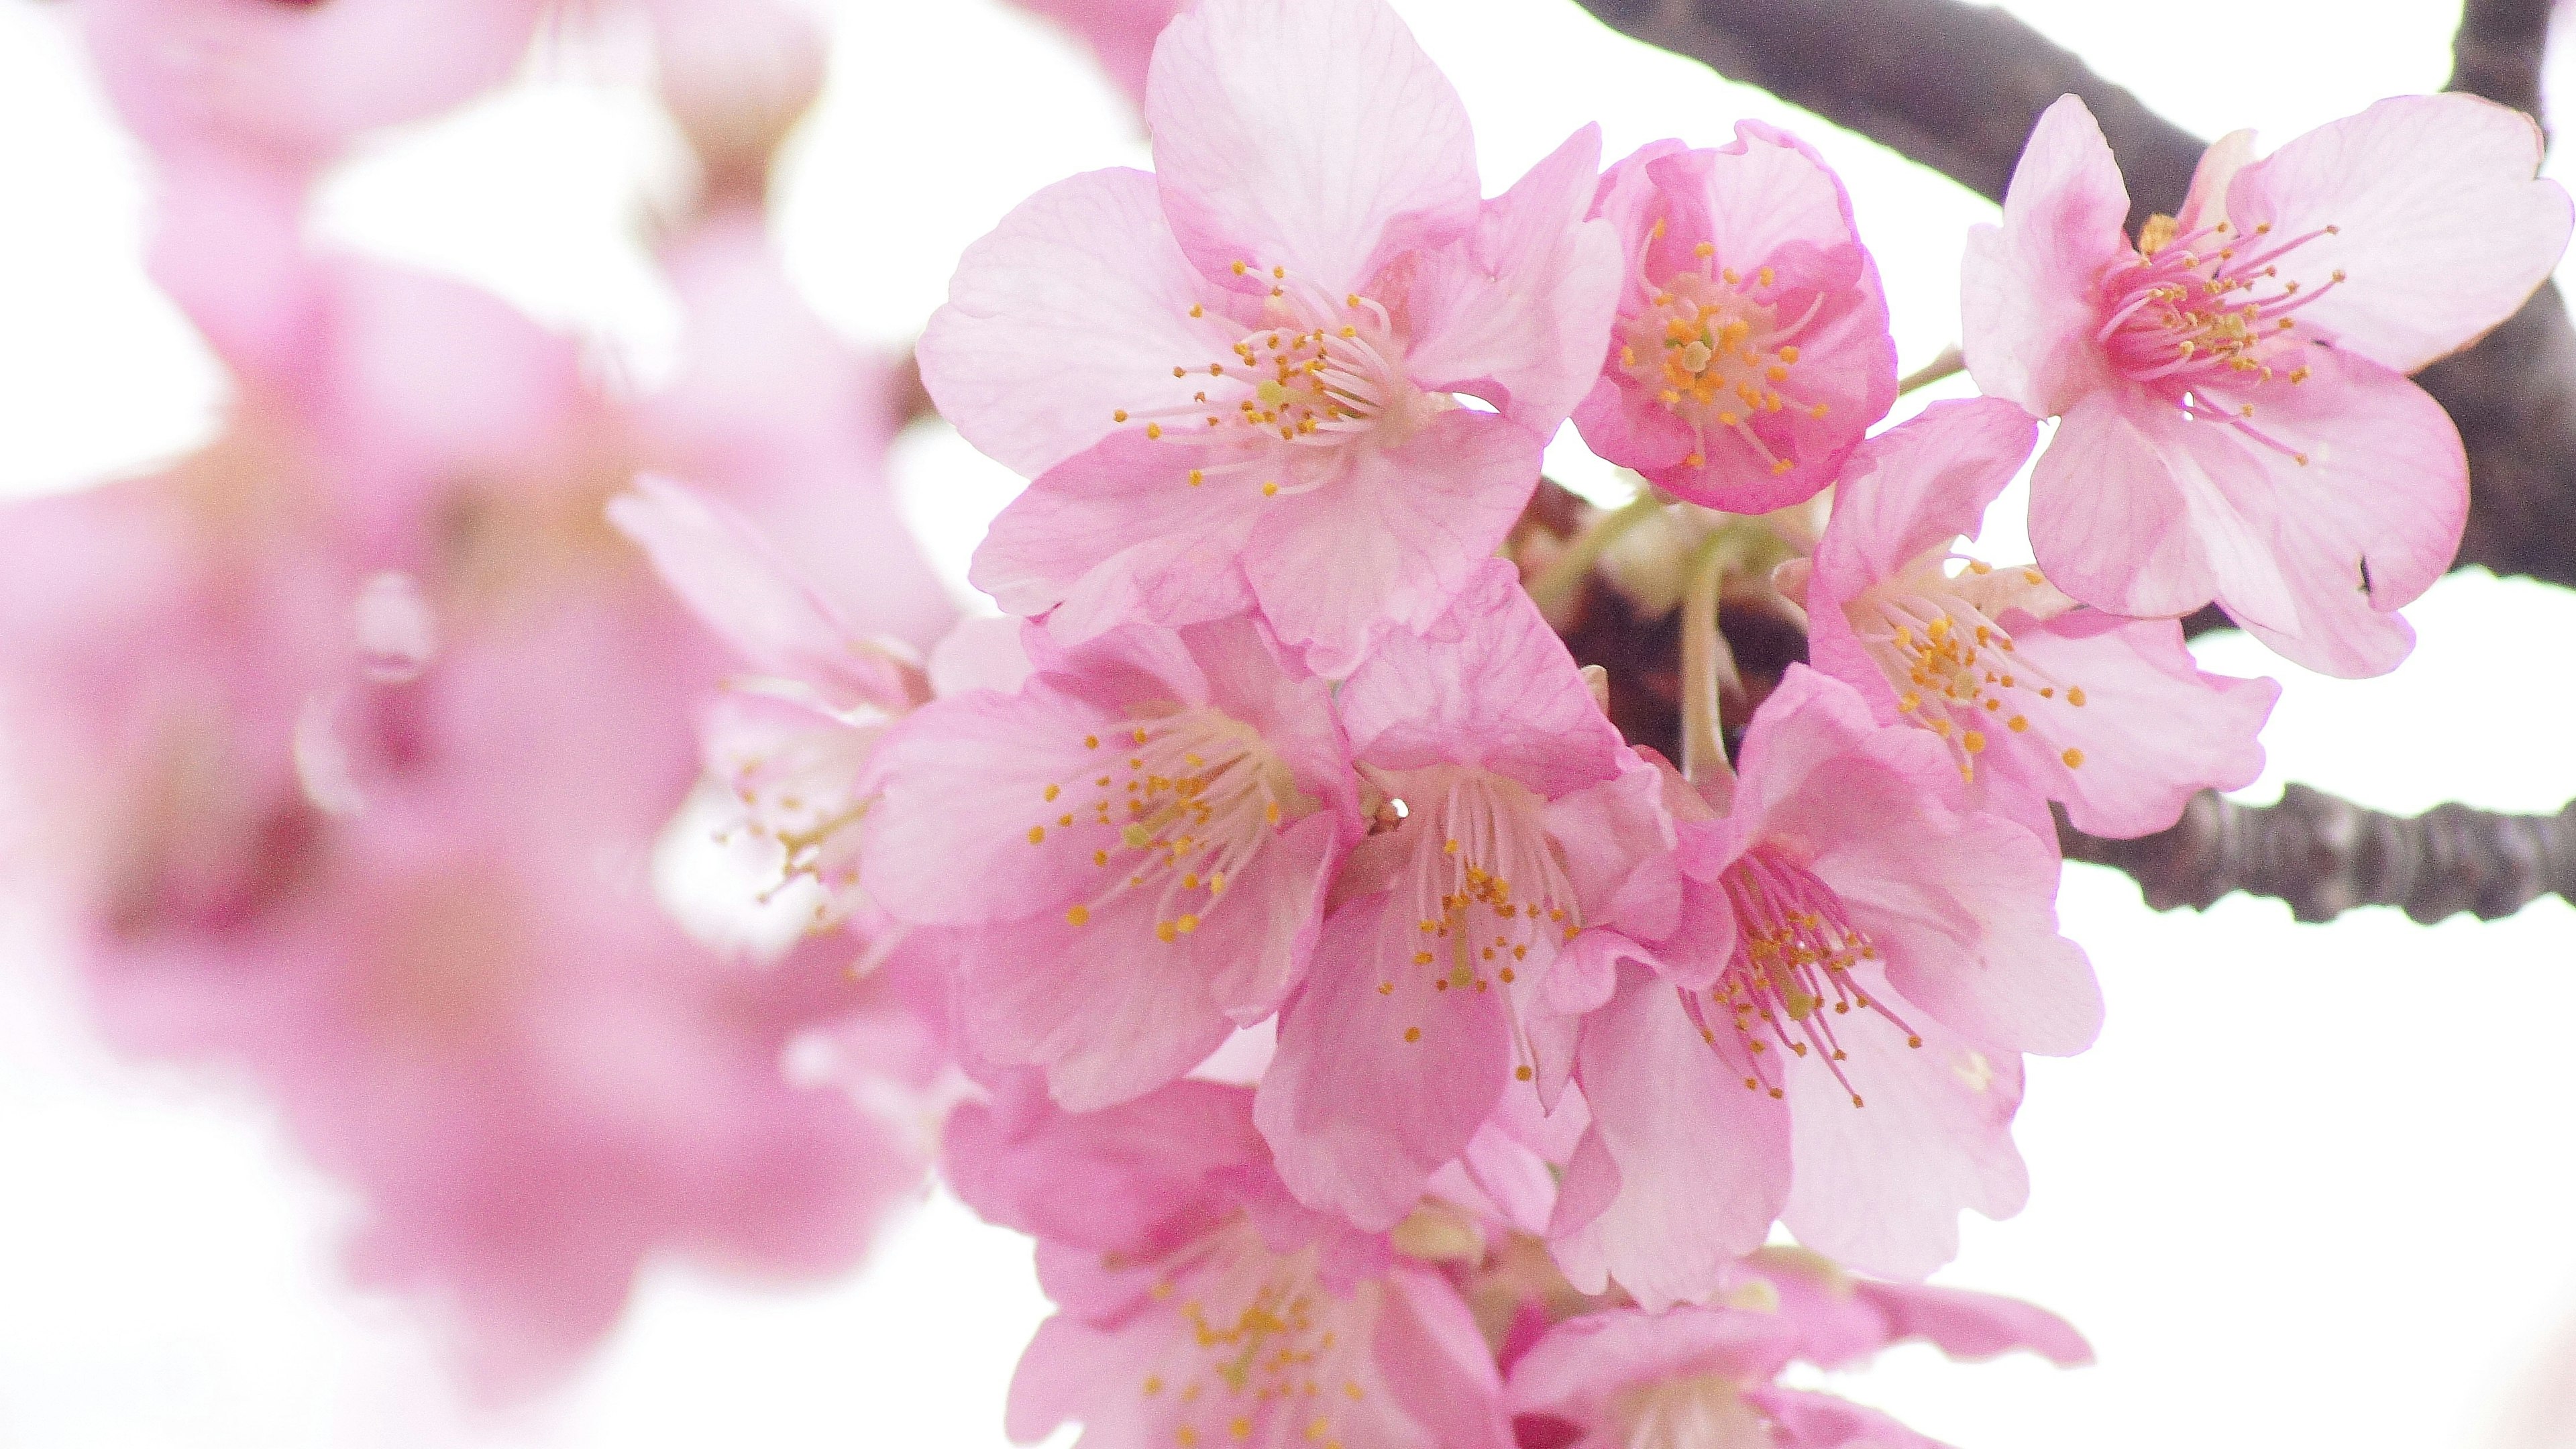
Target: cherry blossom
<point x="1197" y="1304"/>
<point x="1135" y="845"/>
<point x="2236" y="421"/>
<point x="2038" y="697"/>
<point x="1524" y="820"/>
<point x="1858" y="967"/>
<point x="1237" y="380"/>
<point x="1751" y="349"/>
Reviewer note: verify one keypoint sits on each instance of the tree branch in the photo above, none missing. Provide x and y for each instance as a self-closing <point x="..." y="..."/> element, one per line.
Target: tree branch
<point x="2325" y="856"/>
<point x="1957" y="87"/>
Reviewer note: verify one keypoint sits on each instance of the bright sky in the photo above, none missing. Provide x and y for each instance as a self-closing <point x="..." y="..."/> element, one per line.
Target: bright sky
<point x="2312" y="1187"/>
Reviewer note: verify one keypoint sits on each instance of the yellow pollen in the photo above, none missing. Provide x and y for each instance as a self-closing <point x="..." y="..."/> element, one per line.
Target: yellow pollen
<point x="2073" y="758"/>
<point x="1413" y="1033"/>
<point x="1972" y="742"/>
<point x="1119" y="416"/>
<point x="2075" y="695"/>
<point x="1153" y="430"/>
<point x="1705" y="249"/>
<point x="1078" y="916"/>
<point x="1036" y="834"/>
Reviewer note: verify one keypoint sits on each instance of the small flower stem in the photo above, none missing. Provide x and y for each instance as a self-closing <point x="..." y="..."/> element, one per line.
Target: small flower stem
<point x="1557" y="584"/>
<point x="1705" y="662"/>
<point x="1948" y="364"/>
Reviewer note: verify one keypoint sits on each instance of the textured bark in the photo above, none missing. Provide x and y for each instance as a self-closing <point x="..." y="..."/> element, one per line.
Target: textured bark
<point x="2325" y="856"/>
<point x="1957" y="86"/>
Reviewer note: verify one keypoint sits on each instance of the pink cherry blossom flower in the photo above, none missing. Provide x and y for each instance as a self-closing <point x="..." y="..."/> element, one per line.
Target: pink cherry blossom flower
<point x="1121" y="33"/>
<point x="367" y="725"/>
<point x="1833" y="1035"/>
<point x="2236" y="423"/>
<point x="1198" y="1305"/>
<point x="1751" y="349"/>
<point x="1134" y="845"/>
<point x="791" y="743"/>
<point x="1707" y="1378"/>
<point x="2037" y="697"/>
<point x="1236" y="380"/>
<point x="1525" y="819"/>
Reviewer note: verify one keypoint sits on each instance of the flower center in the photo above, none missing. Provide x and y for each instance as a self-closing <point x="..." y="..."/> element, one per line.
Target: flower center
<point x="1193" y="797"/>
<point x="1708" y="1411"/>
<point x="2206" y="311"/>
<point x="1711" y="346"/>
<point x="1791" y="974"/>
<point x="1266" y="1354"/>
<point x="1485" y="885"/>
<point x="1318" y="376"/>
<point x="1953" y="666"/>
<point x="800" y="790"/>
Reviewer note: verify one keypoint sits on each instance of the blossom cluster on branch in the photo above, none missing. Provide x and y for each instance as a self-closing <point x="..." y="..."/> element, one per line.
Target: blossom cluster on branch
<point x="1266" y="914"/>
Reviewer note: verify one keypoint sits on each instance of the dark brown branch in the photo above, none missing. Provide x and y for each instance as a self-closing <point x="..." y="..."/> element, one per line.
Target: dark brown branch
<point x="1957" y="86"/>
<point x="2325" y="856"/>
<point x="2498" y="50"/>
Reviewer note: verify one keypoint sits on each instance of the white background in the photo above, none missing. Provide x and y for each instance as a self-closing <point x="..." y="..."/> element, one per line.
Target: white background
<point x="2315" y="1185"/>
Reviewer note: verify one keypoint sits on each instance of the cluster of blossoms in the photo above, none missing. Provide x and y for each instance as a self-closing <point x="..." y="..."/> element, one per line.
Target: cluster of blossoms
<point x="1385" y="1050"/>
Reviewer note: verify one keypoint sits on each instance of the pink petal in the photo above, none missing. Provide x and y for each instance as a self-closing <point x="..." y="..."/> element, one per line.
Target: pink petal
<point x="1804" y="1420"/>
<point x="1617" y="844"/>
<point x="2444" y="226"/>
<point x="1432" y="1357"/>
<point x="2027" y="288"/>
<point x="1516" y="313"/>
<point x="1312" y="135"/>
<point x="2121" y="522"/>
<point x="1588" y="1362"/>
<point x="1489" y="685"/>
<point x="1117" y="533"/>
<point x="1974" y="1326"/>
<point x="1391" y="541"/>
<point x="1104" y="1181"/>
<point x="1373" y="1090"/>
<point x="1693" y="1165"/>
<point x="2153" y="729"/>
<point x="1916" y="487"/>
<point x="1075" y="307"/>
<point x="963" y="784"/>
<point x="732" y="577"/>
<point x="1968" y="920"/>
<point x="1879" y="1187"/>
<point x="980" y="653"/>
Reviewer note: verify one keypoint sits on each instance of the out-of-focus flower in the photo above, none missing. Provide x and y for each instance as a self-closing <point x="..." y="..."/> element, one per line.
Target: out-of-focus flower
<point x="1198" y="1306"/>
<point x="1524" y="821"/>
<point x="363" y="724"/>
<point x="1751" y="350"/>
<point x="1134" y="846"/>
<point x="1707" y="1378"/>
<point x="2237" y="424"/>
<point x="1833" y="1035"/>
<point x="1236" y="380"/>
<point x="1121" y="33"/>
<point x="2038" y="697"/>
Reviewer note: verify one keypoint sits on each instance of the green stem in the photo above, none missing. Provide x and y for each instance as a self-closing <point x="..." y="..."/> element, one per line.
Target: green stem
<point x="1557" y="584"/>
<point x="1705" y="661"/>
<point x="1949" y="364"/>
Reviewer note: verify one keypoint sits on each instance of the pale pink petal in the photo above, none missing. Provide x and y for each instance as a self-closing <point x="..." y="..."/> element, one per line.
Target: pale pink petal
<point x="1974" y="1326"/>
<point x="1586" y="1363"/>
<point x="1617" y="844"/>
<point x="1117" y="533"/>
<point x="2114" y="525"/>
<point x="1879" y="1187"/>
<point x="1914" y="488"/>
<point x="1434" y="1360"/>
<point x="1516" y="313"/>
<point x="1390" y="541"/>
<point x="961" y="833"/>
<point x="1489" y="685"/>
<point x="1696" y="1165"/>
<point x="1312" y="135"/>
<point x="731" y="576"/>
<point x="1102" y="1181"/>
<point x="1075" y="307"/>
<point x="2152" y="731"/>
<point x="2443" y="225"/>
<point x="980" y="653"/>
<point x="1380" y="1078"/>
<point x="2027" y="288"/>
<point x="1121" y="33"/>
<point x="1804" y="1420"/>
<point x="1968" y="920"/>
